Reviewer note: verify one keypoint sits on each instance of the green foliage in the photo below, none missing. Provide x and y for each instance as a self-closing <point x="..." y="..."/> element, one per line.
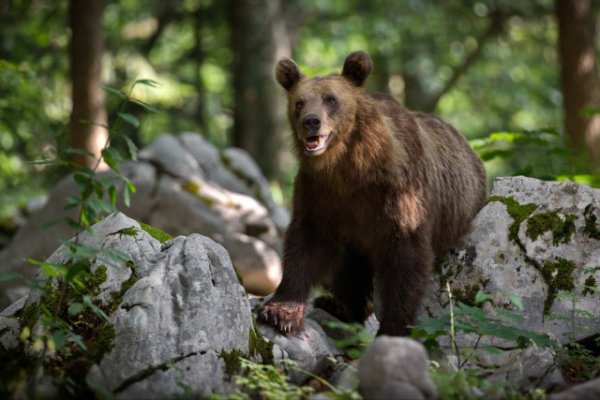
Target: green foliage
<point x="258" y="346"/>
<point x="352" y="338"/>
<point x="578" y="364"/>
<point x="491" y="322"/>
<point x="263" y="381"/>
<point x="67" y="321"/>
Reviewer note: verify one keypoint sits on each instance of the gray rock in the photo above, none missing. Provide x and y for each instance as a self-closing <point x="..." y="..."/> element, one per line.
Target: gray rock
<point x="172" y="157"/>
<point x="183" y="308"/>
<point x="584" y="391"/>
<point x="531" y="368"/>
<point x="500" y="255"/>
<point x="311" y="349"/>
<point x="395" y="368"/>
<point x="182" y="187"/>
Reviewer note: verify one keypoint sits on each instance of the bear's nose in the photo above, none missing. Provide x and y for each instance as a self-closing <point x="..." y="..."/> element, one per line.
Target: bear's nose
<point x="311" y="122"/>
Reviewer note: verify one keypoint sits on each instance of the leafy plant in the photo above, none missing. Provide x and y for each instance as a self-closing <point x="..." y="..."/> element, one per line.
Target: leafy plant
<point x="538" y="153"/>
<point x="264" y="381"/>
<point x="66" y="322"/>
<point x="491" y="322"/>
<point x="351" y="338"/>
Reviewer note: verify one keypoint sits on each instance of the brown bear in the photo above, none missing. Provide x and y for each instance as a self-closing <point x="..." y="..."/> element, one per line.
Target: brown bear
<point x="380" y="192"/>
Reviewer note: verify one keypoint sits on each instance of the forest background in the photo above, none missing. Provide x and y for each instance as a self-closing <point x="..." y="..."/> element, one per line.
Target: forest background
<point x="518" y="79"/>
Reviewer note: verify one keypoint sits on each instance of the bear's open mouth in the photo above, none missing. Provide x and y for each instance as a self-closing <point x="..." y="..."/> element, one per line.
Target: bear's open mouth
<point x="315" y="143"/>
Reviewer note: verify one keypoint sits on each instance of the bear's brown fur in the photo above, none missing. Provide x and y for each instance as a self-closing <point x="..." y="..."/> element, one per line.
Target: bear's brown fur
<point x="381" y="191"/>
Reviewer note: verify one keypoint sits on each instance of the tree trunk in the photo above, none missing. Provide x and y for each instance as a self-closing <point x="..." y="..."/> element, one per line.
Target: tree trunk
<point x="579" y="76"/>
<point x="88" y="116"/>
<point x="259" y="38"/>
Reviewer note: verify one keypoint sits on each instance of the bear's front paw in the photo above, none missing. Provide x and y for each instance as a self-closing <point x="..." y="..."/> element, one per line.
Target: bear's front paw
<point x="285" y="316"/>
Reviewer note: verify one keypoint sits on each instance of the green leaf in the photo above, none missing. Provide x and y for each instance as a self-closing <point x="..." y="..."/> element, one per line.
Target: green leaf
<point x="130" y="119"/>
<point x="144" y="105"/>
<point x="131" y="148"/>
<point x="516" y="300"/>
<point x="126" y="198"/>
<point x="87" y="300"/>
<point x="146" y="82"/>
<point x="113" y="91"/>
<point x="98" y="188"/>
<point x="112" y="157"/>
<point x="112" y="195"/>
<point x="116" y="256"/>
<point x="76" y="308"/>
<point x="59" y="339"/>
<point x="78" y="340"/>
<point x="481" y="297"/>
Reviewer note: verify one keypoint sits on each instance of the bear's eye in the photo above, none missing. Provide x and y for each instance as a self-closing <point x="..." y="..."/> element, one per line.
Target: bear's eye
<point x="299" y="105"/>
<point x="330" y="100"/>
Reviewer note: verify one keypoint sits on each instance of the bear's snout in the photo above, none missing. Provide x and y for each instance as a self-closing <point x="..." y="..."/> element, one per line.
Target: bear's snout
<point x="312" y="123"/>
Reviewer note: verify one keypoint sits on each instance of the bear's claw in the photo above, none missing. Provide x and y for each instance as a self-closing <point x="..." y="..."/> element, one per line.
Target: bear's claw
<point x="286" y="316"/>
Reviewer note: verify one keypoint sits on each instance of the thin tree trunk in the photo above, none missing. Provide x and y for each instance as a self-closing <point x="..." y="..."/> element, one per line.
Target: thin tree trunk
<point x="579" y="76"/>
<point x="88" y="116"/>
<point x="259" y="38"/>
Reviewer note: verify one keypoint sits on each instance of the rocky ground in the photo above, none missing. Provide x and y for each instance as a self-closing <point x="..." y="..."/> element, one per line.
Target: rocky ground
<point x="179" y="319"/>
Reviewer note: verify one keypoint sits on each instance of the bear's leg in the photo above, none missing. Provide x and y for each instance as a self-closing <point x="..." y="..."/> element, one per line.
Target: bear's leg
<point x="401" y="277"/>
<point x="305" y="263"/>
<point x="352" y="287"/>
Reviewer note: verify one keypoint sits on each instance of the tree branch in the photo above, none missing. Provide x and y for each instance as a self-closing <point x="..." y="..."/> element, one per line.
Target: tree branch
<point x="497" y="22"/>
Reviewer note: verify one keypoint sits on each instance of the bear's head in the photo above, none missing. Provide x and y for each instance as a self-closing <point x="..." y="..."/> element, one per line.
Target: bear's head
<point x="322" y="109"/>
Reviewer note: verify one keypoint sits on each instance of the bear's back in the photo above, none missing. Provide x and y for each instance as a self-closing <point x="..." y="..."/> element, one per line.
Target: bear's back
<point x="441" y="163"/>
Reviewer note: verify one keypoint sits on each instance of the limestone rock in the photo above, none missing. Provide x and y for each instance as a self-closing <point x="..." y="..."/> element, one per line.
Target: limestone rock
<point x="395" y="368"/>
<point x="184" y="185"/>
<point x="311" y="349"/>
<point x="181" y="306"/>
<point x="533" y="239"/>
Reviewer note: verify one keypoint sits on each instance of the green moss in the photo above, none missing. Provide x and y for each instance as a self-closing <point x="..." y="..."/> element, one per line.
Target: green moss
<point x="589" y="286"/>
<point x="259" y="346"/>
<point x="117" y="297"/>
<point x="558" y="275"/>
<point x="101" y="342"/>
<point x="519" y="213"/>
<point x="95" y="279"/>
<point x="232" y="360"/>
<point x="590" y="227"/>
<point x="130" y="231"/>
<point x="562" y="231"/>
<point x="156" y="233"/>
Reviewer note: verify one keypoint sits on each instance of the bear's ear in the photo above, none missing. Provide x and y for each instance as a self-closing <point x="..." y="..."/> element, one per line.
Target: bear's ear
<point x="357" y="67"/>
<point x="287" y="73"/>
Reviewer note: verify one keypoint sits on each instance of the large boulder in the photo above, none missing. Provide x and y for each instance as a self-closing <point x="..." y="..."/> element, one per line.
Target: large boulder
<point x="184" y="185"/>
<point x="172" y="312"/>
<point x="177" y="318"/>
<point x="537" y="240"/>
<point x="395" y="368"/>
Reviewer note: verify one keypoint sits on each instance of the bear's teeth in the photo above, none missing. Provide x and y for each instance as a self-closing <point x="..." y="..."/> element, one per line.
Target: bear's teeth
<point x="313" y="142"/>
